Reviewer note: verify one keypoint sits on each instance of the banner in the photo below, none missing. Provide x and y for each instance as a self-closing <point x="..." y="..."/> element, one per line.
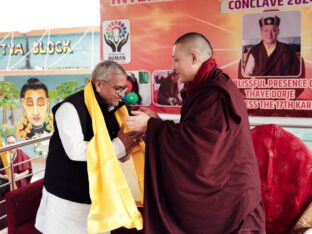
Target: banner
<point x="50" y="49"/>
<point x="275" y="81"/>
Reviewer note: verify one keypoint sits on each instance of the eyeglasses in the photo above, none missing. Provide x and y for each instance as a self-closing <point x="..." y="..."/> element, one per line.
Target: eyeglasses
<point x="118" y="89"/>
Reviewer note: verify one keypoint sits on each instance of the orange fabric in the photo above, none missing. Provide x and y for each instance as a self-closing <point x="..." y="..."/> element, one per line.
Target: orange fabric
<point x="285" y="165"/>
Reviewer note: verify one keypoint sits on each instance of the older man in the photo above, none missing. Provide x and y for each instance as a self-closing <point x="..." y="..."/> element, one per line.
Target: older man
<point x="87" y="129"/>
<point x="201" y="174"/>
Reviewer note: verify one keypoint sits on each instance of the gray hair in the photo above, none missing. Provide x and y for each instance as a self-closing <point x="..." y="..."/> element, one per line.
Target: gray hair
<point x="105" y="70"/>
<point x="194" y="41"/>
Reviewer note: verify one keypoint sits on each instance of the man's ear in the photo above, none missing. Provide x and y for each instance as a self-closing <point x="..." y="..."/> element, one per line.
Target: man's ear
<point x="97" y="84"/>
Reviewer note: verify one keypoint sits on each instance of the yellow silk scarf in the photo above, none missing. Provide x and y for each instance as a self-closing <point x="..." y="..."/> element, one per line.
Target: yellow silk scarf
<point x="112" y="204"/>
<point x="6" y="162"/>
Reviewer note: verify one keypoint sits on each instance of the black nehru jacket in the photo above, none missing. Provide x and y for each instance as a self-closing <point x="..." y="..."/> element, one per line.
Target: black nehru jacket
<point x="64" y="177"/>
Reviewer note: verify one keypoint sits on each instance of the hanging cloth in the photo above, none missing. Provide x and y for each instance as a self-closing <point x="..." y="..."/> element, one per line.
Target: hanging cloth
<point x="112" y="204"/>
<point x="6" y="163"/>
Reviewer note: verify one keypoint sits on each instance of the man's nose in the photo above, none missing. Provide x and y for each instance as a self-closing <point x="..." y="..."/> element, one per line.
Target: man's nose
<point x="121" y="93"/>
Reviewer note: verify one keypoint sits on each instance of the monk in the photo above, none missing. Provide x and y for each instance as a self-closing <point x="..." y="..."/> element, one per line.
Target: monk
<point x="23" y="169"/>
<point x="201" y="174"/>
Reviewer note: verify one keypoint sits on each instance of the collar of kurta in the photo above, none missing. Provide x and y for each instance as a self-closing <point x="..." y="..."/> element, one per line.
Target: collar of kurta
<point x="112" y="203"/>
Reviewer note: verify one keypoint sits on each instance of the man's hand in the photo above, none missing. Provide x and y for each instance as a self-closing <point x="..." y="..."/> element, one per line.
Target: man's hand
<point x="129" y="139"/>
<point x="138" y="122"/>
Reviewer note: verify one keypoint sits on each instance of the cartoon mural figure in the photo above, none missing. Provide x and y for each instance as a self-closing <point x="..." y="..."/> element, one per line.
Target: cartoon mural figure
<point x="37" y="119"/>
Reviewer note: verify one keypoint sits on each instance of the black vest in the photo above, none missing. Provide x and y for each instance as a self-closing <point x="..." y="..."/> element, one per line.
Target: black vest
<point x="64" y="177"/>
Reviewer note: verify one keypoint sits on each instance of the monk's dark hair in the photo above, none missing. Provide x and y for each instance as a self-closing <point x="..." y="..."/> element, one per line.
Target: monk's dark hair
<point x="194" y="36"/>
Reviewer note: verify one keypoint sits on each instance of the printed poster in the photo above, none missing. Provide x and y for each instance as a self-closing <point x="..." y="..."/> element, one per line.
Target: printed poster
<point x="278" y="84"/>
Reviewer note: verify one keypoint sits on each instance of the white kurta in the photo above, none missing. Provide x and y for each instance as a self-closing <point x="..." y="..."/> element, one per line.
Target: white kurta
<point x="56" y="215"/>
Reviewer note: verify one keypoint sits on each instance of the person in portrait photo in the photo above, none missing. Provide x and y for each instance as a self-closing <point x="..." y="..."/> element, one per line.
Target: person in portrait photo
<point x="271" y="57"/>
<point x="133" y="87"/>
<point x="168" y="92"/>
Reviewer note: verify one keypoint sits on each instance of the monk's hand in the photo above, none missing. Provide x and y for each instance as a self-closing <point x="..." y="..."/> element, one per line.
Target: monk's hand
<point x="129" y="139"/>
<point x="149" y="112"/>
<point x="138" y="121"/>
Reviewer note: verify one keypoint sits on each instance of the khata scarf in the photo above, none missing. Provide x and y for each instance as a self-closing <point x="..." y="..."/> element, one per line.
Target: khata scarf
<point x="112" y="204"/>
<point x="6" y="163"/>
<point x="201" y="76"/>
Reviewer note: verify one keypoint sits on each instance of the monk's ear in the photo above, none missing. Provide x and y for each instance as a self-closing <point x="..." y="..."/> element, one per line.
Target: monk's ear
<point x="195" y="57"/>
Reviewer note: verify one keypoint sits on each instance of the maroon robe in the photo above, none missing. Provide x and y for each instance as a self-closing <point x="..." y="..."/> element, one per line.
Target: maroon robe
<point x="201" y="175"/>
<point x="282" y="62"/>
<point x="20" y="157"/>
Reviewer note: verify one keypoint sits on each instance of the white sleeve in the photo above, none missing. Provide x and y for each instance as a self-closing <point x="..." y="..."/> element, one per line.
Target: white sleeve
<point x="70" y="131"/>
<point x="119" y="148"/>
